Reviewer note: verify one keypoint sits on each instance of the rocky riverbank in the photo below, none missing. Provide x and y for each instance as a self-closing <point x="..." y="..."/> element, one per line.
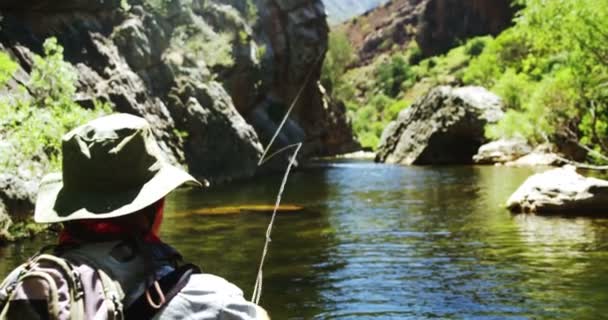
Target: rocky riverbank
<point x="214" y="78"/>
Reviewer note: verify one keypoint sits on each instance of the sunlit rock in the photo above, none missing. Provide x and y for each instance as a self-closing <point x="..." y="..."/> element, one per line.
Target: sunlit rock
<point x="560" y="190"/>
<point x="446" y="126"/>
<point x="536" y="159"/>
<point x="501" y="151"/>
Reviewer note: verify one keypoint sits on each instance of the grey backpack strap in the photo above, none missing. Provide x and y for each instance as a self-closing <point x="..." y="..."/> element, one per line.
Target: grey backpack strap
<point x="45" y="280"/>
<point x="113" y="296"/>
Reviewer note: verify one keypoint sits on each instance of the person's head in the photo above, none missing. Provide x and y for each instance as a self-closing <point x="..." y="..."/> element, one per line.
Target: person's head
<point x="113" y="172"/>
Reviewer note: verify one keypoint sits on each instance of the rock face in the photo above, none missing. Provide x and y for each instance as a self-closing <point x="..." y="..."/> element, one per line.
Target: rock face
<point x="295" y="33"/>
<point x="446" y="126"/>
<point x="502" y="151"/>
<point x="444" y="22"/>
<point x="560" y="191"/>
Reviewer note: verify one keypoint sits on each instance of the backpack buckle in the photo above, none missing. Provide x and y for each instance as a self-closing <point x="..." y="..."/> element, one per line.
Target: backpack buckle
<point x="117" y="306"/>
<point x="79" y="288"/>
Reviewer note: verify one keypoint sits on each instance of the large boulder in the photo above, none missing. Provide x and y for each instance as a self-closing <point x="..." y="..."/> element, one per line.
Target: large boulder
<point x="501" y="151"/>
<point x="561" y="191"/>
<point x="446" y="126"/>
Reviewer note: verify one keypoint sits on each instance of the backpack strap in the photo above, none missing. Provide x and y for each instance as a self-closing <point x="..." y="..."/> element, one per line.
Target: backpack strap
<point x="113" y="295"/>
<point x="170" y="285"/>
<point x="29" y="270"/>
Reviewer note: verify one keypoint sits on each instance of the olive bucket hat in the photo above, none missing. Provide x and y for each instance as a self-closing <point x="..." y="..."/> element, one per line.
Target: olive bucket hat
<point x="112" y="166"/>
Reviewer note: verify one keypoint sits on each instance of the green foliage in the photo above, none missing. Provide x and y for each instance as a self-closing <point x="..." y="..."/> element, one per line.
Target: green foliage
<point x="393" y="75"/>
<point x="414" y="53"/>
<point x="52" y="81"/>
<point x="32" y="128"/>
<point x="475" y="46"/>
<point x="201" y="43"/>
<point x="251" y="14"/>
<point x="513" y="88"/>
<point x="124" y="5"/>
<point x="159" y="6"/>
<point x="7" y="68"/>
<point x="339" y="56"/>
<point x="370" y="120"/>
<point x="551" y="69"/>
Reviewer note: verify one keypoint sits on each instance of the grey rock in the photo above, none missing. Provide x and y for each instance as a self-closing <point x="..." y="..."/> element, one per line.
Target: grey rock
<point x="560" y="191"/>
<point x="219" y="145"/>
<point x="133" y="43"/>
<point x="501" y="151"/>
<point x="446" y="126"/>
<point x="5" y="223"/>
<point x="18" y="195"/>
<point x="537" y="159"/>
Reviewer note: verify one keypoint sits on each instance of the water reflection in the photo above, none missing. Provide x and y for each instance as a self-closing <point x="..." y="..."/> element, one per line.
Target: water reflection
<point x="386" y="242"/>
<point x="297" y="266"/>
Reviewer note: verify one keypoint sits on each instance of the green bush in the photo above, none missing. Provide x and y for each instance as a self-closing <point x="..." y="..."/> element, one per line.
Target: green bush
<point x="475" y="46"/>
<point x="514" y="88"/>
<point x="7" y="68"/>
<point x="339" y="55"/>
<point x="391" y="75"/>
<point x="551" y="68"/>
<point x="32" y="128"/>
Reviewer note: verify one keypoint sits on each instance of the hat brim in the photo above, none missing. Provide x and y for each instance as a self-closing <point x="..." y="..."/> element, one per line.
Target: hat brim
<point x="56" y="204"/>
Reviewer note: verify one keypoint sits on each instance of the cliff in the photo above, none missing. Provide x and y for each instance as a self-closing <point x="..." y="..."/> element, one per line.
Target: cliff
<point x="436" y="25"/>
<point x="214" y="78"/>
<point x="341" y="10"/>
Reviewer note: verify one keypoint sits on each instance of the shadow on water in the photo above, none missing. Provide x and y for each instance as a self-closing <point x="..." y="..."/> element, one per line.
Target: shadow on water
<point x="386" y="242"/>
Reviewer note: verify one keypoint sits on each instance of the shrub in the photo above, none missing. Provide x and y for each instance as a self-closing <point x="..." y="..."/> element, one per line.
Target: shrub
<point x="7" y="68"/>
<point x="339" y="55"/>
<point x="392" y="74"/>
<point x="475" y="46"/>
<point x="513" y="88"/>
<point x="32" y="128"/>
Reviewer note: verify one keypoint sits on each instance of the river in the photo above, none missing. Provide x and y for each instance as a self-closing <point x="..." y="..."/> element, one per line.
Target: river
<point x="391" y="242"/>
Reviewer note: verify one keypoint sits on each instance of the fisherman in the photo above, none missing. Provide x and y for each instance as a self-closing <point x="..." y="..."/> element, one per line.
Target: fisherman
<point x="110" y="199"/>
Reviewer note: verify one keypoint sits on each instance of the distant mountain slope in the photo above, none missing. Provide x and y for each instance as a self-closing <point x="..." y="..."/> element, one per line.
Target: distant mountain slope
<point x="436" y="25"/>
<point x="342" y="10"/>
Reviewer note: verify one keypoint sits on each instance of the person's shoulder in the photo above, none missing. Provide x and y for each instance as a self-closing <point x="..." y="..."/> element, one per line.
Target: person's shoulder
<point x="207" y="296"/>
<point x="205" y="283"/>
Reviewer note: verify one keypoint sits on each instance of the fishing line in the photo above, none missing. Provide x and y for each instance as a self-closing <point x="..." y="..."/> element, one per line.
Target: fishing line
<point x="257" y="289"/>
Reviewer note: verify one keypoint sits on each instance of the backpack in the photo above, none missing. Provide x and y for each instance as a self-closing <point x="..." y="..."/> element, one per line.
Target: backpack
<point x="50" y="287"/>
<point x="87" y="283"/>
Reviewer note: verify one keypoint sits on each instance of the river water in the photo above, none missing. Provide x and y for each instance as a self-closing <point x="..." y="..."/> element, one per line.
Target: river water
<point x="391" y="242"/>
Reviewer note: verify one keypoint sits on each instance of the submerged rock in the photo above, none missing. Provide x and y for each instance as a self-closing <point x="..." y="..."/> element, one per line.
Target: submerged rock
<point x="446" y="126"/>
<point x="501" y="151"/>
<point x="560" y="190"/>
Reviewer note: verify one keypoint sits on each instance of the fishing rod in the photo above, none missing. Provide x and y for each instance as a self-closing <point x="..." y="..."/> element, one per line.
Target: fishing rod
<point x="257" y="289"/>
